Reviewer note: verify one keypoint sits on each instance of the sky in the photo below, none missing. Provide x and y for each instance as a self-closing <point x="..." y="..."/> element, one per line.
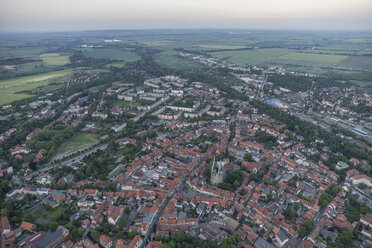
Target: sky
<point x="74" y="15"/>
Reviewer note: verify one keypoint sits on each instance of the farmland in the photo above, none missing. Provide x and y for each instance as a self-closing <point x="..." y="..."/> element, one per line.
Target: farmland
<point x="117" y="54"/>
<point x="6" y="98"/>
<point x="251" y="57"/>
<point x="172" y="60"/>
<point x="314" y="57"/>
<point x="55" y="59"/>
<point x="215" y="46"/>
<point x="31" y="82"/>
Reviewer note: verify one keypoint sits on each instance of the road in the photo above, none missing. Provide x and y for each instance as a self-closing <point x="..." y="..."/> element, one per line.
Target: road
<point x="160" y="210"/>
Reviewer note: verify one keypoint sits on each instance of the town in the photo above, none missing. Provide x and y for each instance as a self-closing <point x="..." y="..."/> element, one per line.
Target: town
<point x="274" y="158"/>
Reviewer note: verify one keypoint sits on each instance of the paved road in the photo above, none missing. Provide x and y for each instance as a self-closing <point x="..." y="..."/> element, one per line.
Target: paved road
<point x="160" y="210"/>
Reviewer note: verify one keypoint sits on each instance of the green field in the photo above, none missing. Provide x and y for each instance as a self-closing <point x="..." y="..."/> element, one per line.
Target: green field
<point x="122" y="104"/>
<point x="55" y="59"/>
<point x="79" y="141"/>
<point x="251" y="57"/>
<point x="215" y="46"/>
<point x="20" y="52"/>
<point x="357" y="62"/>
<point x="6" y="98"/>
<point x="102" y="53"/>
<point x="117" y="65"/>
<point x="158" y="43"/>
<point x="172" y="60"/>
<point x="31" y="82"/>
<point x="314" y="57"/>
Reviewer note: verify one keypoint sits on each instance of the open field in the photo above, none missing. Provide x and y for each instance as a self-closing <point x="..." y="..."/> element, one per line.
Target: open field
<point x="215" y="46"/>
<point x="251" y="57"/>
<point x="101" y="53"/>
<point x="122" y="104"/>
<point x="6" y="52"/>
<point x="78" y="141"/>
<point x="31" y="82"/>
<point x="357" y="62"/>
<point x="117" y="65"/>
<point x="55" y="59"/>
<point x="172" y="60"/>
<point x="6" y="98"/>
<point x="314" y="57"/>
<point x="158" y="43"/>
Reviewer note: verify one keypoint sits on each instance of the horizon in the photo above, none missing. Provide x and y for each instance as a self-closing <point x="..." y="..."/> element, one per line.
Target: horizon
<point x="192" y="29"/>
<point x="49" y="16"/>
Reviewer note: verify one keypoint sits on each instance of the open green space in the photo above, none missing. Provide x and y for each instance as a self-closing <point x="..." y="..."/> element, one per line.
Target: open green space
<point x="122" y="104"/>
<point x="172" y="60"/>
<point x="6" y="98"/>
<point x="117" y="65"/>
<point x="31" y="82"/>
<point x="216" y="46"/>
<point x="78" y="141"/>
<point x="357" y="62"/>
<point x="6" y="52"/>
<point x="314" y="57"/>
<point x="55" y="59"/>
<point x="251" y="57"/>
<point x="110" y="53"/>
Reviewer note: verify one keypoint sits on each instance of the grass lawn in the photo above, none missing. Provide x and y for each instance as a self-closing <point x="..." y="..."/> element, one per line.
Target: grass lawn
<point x="122" y="104"/>
<point x="6" y="98"/>
<point x="55" y="59"/>
<point x="314" y="57"/>
<point x="251" y="57"/>
<point x="78" y="141"/>
<point x="31" y="82"/>
<point x="52" y="215"/>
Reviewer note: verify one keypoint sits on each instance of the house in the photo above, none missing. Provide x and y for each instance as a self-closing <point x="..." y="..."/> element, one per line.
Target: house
<point x="341" y="165"/>
<point x="58" y="196"/>
<point x="92" y="192"/>
<point x="4" y="225"/>
<point x="261" y="243"/>
<point x="42" y="191"/>
<point x="105" y="241"/>
<point x="117" y="128"/>
<point x="85" y="223"/>
<point x="114" y="213"/>
<point x="154" y="244"/>
<point x="136" y="242"/>
<point x="27" y="226"/>
<point x="281" y="238"/>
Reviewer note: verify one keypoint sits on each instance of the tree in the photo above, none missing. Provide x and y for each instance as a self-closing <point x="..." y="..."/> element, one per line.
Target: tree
<point x="127" y="210"/>
<point x="305" y="228"/>
<point x="248" y="157"/>
<point x="132" y="234"/>
<point x="121" y="224"/>
<point x="345" y="239"/>
<point x="53" y="226"/>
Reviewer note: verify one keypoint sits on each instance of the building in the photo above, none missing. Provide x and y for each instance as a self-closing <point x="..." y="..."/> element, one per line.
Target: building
<point x="216" y="172"/>
<point x="105" y="241"/>
<point x="4" y="225"/>
<point x="47" y="240"/>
